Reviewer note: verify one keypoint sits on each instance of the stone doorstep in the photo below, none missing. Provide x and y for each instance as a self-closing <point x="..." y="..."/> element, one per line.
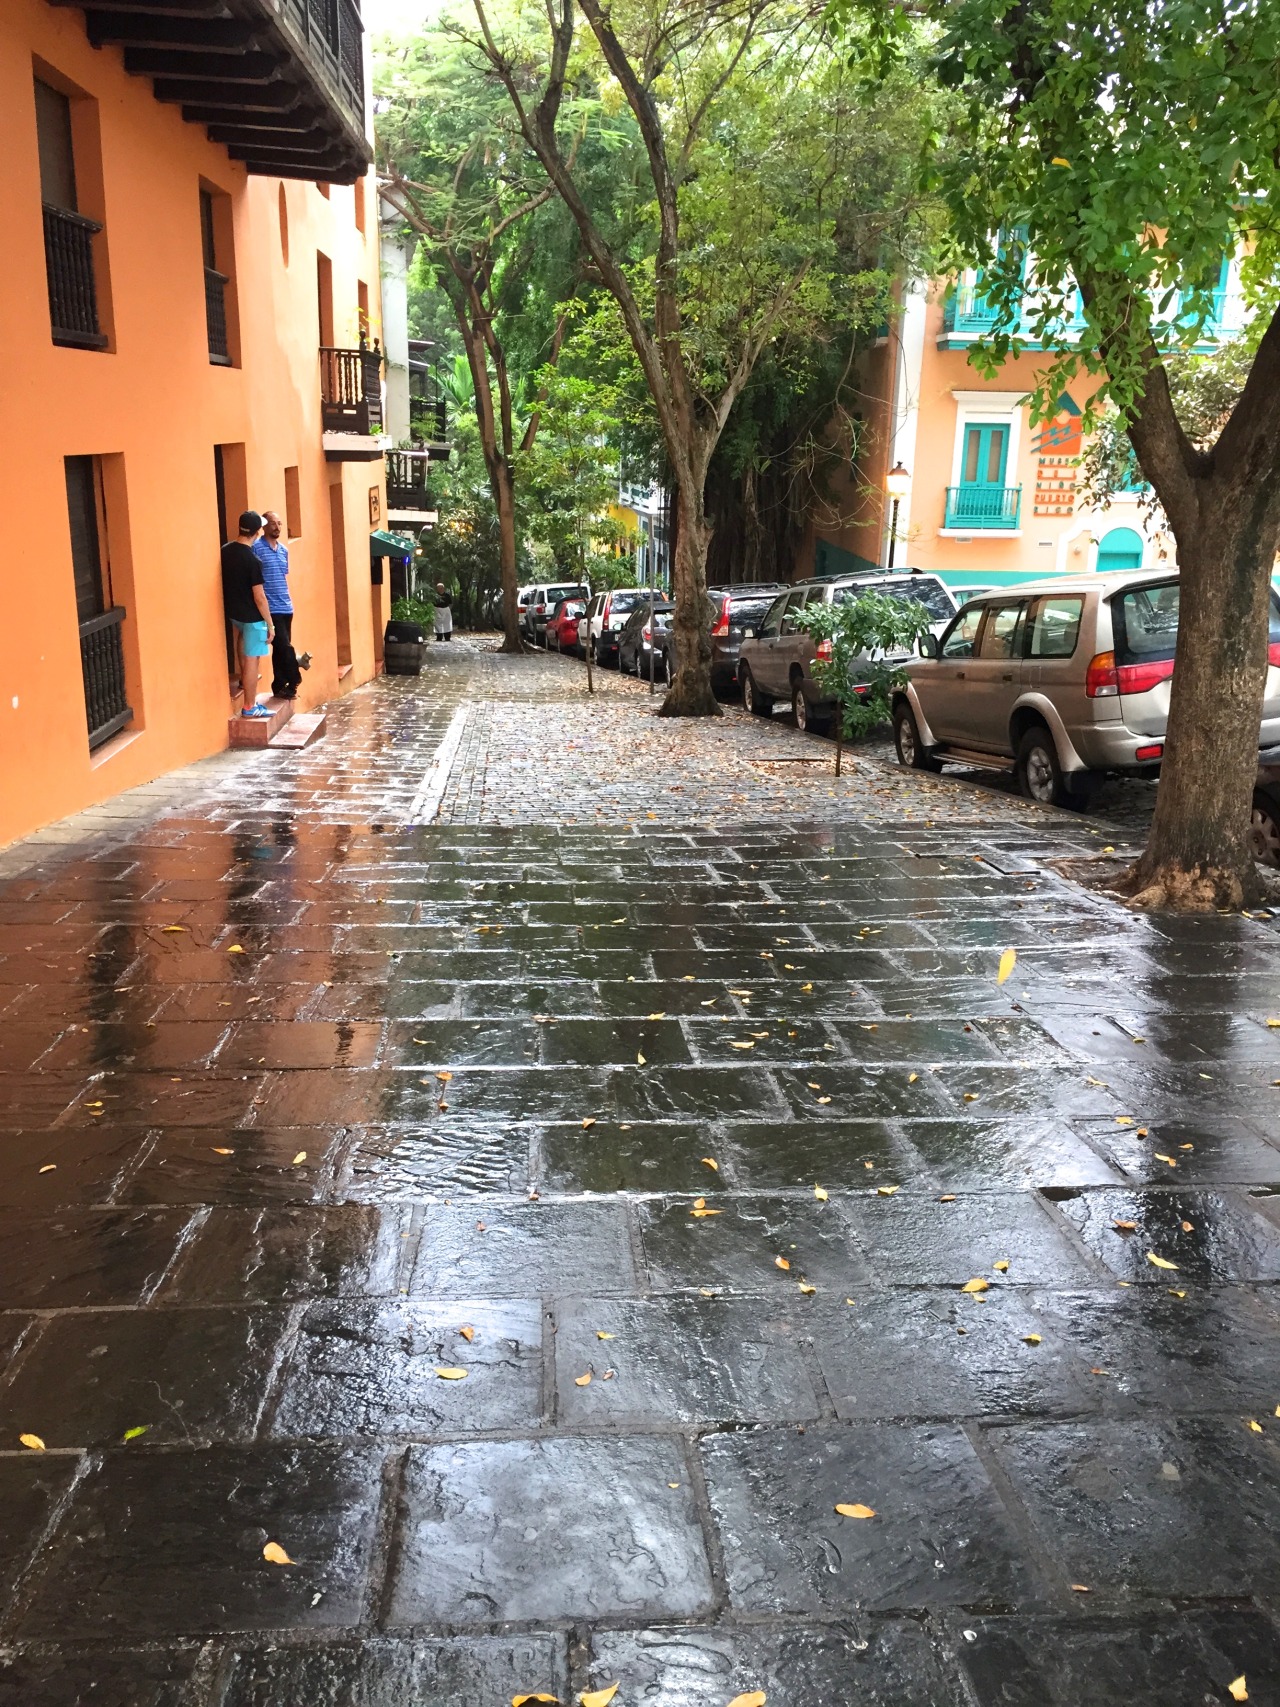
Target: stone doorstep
<point x="257" y="731"/>
<point x="300" y="731"/>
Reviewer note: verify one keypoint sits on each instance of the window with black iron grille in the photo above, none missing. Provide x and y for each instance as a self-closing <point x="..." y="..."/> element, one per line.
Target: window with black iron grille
<point x="215" y="285"/>
<point x="68" y="235"/>
<point x="101" y="623"/>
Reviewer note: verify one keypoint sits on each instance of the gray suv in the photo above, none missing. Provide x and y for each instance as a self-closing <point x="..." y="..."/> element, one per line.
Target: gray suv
<point x="776" y="659"/>
<point x="1058" y="681"/>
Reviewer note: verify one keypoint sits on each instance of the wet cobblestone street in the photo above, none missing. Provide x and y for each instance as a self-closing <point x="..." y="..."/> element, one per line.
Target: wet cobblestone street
<point x="530" y="1165"/>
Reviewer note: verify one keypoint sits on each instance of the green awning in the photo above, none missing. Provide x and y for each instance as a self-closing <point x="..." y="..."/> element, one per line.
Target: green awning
<point x="389" y="544"/>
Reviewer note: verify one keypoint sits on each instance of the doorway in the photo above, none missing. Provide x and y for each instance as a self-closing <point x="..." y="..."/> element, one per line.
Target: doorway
<point x="1119" y="550"/>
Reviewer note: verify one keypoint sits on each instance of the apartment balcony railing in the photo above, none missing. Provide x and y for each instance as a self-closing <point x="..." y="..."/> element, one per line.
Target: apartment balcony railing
<point x="428" y="419"/>
<point x="407" y="480"/>
<point x="73" y="291"/>
<point x="983" y="506"/>
<point x="215" y="314"/>
<point x="102" y="666"/>
<point x="351" y="390"/>
<point x="967" y="310"/>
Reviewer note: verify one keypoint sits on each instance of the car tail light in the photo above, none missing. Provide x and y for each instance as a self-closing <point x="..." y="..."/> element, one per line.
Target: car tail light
<point x="825" y="651"/>
<point x="646" y="635"/>
<point x="605" y="608"/>
<point x="722" y="622"/>
<point x="1139" y="678"/>
<point x="1152" y="752"/>
<point x="1101" y="680"/>
<point x="1273" y="654"/>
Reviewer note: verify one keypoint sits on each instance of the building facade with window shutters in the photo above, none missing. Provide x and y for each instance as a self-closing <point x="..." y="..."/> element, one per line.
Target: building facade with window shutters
<point x="189" y="327"/>
<point x="990" y="498"/>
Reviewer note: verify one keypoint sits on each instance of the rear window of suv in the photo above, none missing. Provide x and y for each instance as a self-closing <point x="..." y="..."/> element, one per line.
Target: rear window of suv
<point x="628" y="599"/>
<point x="915" y="589"/>
<point x="746" y="612"/>
<point x="1145" y="623"/>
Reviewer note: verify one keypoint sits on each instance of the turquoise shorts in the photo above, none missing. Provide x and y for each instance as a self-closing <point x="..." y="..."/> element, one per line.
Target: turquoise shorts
<point x="253" y="637"/>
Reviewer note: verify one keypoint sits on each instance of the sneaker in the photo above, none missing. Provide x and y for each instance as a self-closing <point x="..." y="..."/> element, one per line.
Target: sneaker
<point x="304" y="660"/>
<point x="258" y="711"/>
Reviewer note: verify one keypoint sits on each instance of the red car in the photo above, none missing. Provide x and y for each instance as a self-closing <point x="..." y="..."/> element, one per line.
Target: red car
<point x="562" y="626"/>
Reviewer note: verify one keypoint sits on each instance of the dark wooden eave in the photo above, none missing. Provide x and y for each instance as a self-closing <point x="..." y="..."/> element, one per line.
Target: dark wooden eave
<point x="279" y="83"/>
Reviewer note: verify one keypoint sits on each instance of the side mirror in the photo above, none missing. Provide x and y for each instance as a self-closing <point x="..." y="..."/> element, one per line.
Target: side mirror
<point x="928" y="646"/>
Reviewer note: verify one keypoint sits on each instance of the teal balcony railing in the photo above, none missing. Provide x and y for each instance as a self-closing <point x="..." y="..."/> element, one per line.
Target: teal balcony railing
<point x="983" y="506"/>
<point x="967" y="310"/>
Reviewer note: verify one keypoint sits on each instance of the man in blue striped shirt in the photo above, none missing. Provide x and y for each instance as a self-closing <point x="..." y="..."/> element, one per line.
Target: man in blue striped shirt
<point x="273" y="554"/>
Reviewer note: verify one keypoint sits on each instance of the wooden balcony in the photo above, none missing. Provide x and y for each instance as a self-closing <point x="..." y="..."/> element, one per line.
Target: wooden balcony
<point x="280" y="83"/>
<point x="73" y="291"/>
<point x="408" y="493"/>
<point x="351" y="404"/>
<point x="102" y="667"/>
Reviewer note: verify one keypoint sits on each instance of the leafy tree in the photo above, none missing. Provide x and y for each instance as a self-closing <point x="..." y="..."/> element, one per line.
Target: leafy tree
<point x="1126" y="147"/>
<point x="751" y="128"/>
<point x="856" y="640"/>
<point x="452" y="163"/>
<point x="570" y="476"/>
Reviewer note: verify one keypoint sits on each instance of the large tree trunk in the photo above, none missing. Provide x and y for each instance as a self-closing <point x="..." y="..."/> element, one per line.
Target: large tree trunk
<point x="690" y="694"/>
<point x="505" y="501"/>
<point x="1197" y="856"/>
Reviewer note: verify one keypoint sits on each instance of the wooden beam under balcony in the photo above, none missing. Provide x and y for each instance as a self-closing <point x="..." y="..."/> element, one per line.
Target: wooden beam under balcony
<point x="158" y="8"/>
<point x="210" y="67"/>
<point x="264" y="97"/>
<point x="267" y="157"/>
<point x="250" y="128"/>
<point x="159" y="29"/>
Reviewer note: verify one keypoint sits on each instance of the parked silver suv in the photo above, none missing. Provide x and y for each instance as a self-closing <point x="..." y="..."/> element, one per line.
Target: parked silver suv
<point x="776" y="659"/>
<point x="1059" y="681"/>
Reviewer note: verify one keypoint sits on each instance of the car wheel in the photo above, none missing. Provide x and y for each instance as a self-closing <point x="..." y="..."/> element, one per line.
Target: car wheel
<point x="1264" y="829"/>
<point x="802" y="714"/>
<point x="906" y="739"/>
<point x="752" y="699"/>
<point x="1037" y="769"/>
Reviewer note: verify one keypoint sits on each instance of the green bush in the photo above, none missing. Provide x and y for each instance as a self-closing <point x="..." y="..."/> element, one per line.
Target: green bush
<point x="414" y="610"/>
<point x="861" y="631"/>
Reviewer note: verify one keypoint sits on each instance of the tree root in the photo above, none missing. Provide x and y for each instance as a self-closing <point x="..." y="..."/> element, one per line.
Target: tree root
<point x="515" y="648"/>
<point x="1175" y="888"/>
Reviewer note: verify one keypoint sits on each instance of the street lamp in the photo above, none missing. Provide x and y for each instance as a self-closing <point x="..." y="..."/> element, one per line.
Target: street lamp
<point x="897" y="483"/>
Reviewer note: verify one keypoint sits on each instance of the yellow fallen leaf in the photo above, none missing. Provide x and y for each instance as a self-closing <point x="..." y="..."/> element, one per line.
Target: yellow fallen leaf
<point x="1123" y="1120"/>
<point x="275" y="1554"/>
<point x="855" y="1511"/>
<point x="1031" y="1339"/>
<point x="523" y="1700"/>
<point x="601" y="1335"/>
<point x="448" y="1373"/>
<point x="582" y="1380"/>
<point x="812" y="1086"/>
<point x="1168" y="1159"/>
<point x="659" y="1015"/>
<point x="781" y="1262"/>
<point x="221" y="1150"/>
<point x="1273" y="1023"/>
<point x="1001" y="1267"/>
<point x="300" y="1157"/>
<point x="1125" y="1226"/>
<point x="887" y="1190"/>
<point x="468" y="1334"/>
<point x="912" y="1077"/>
<point x="49" y="1168"/>
<point x="590" y="1122"/>
<point x="598" y="1697"/>
<point x="1174" y="1293"/>
<point x="32" y="1441"/>
<point x="949" y="1198"/>
<point x="1159" y="1262"/>
<point x="971" y="1096"/>
<point x="736" y="1045"/>
<point x="824" y="1099"/>
<point x="820" y="1193"/>
<point x="753" y="1698"/>
<point x="1254" y="1427"/>
<point x="977" y="1284"/>
<point x="1008" y="960"/>
<point x="1238" y="1689"/>
<point x="710" y="1162"/>
<point x="807" y="1289"/>
<point x="168" y="928"/>
<point x="640" y="1060"/>
<point x="701" y="1214"/>
<point x="1081" y="1588"/>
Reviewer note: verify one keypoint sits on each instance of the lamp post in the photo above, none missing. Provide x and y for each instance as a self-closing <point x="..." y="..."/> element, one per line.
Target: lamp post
<point x="897" y="483"/>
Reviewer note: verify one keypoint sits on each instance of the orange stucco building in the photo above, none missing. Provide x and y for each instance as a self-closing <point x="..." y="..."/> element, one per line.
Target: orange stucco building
<point x="989" y="497"/>
<point x="188" y="224"/>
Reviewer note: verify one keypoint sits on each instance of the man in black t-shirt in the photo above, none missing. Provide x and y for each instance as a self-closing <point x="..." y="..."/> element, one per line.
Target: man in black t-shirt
<point x="247" y="609"/>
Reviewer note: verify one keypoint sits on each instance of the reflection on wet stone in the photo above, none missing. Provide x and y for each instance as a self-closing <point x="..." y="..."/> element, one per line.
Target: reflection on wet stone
<point x="530" y="1357"/>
